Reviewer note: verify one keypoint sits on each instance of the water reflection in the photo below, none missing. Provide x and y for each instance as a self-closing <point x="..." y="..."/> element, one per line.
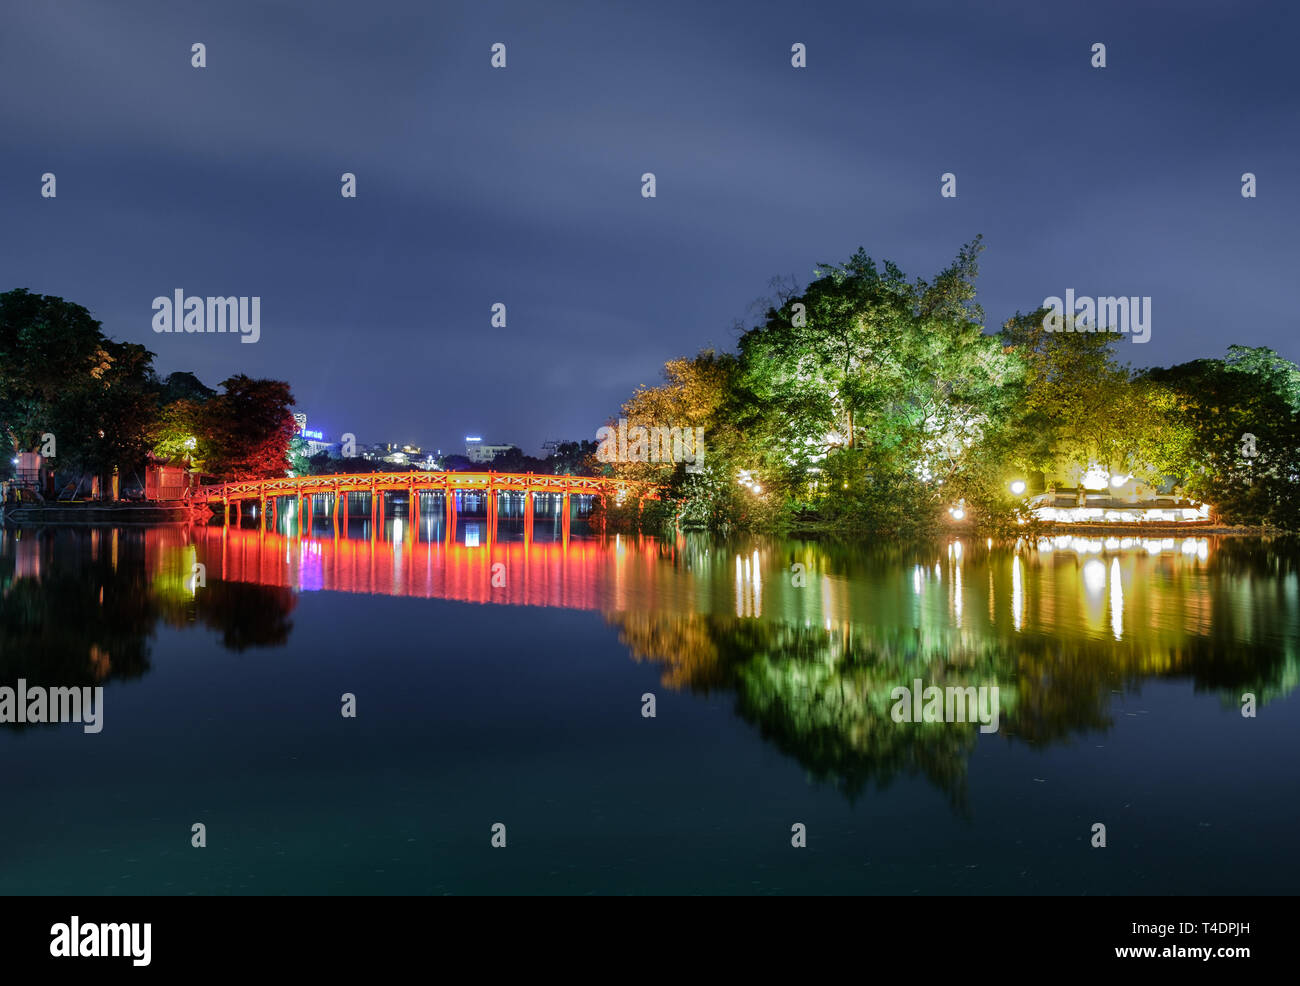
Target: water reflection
<point x="809" y="638"/>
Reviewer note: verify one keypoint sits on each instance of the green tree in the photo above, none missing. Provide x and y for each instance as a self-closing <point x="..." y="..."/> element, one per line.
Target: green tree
<point x="867" y="388"/>
<point x="1079" y="406"/>
<point x="60" y="375"/>
<point x="1242" y="453"/>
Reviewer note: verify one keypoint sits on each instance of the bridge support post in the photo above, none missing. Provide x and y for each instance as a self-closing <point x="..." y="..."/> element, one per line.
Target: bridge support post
<point x="413" y="511"/>
<point x="344" y="507"/>
<point x="492" y="508"/>
<point x="225" y="511"/>
<point x="261" y="513"/>
<point x="302" y="527"/>
<point x="566" y="520"/>
<point x="449" y="516"/>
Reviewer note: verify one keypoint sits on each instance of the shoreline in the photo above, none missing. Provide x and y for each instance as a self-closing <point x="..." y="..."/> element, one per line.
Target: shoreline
<point x="73" y="515"/>
<point x="137" y="514"/>
<point x="1162" y="530"/>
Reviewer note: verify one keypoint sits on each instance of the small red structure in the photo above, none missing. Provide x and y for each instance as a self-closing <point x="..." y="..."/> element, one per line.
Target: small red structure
<point x="168" y="482"/>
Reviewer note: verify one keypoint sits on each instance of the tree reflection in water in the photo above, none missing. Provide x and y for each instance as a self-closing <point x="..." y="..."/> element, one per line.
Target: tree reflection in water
<point x="810" y="638"/>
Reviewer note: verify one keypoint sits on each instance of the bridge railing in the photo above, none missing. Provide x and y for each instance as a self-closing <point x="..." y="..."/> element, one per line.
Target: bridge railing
<point x="383" y="482"/>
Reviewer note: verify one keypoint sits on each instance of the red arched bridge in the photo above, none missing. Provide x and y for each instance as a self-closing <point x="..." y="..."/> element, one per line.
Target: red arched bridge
<point x="337" y="490"/>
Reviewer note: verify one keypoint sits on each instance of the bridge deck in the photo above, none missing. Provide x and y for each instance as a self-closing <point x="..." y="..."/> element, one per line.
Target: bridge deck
<point x="443" y="482"/>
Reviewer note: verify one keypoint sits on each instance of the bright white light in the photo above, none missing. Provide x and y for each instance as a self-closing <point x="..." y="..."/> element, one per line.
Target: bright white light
<point x="1017" y="593"/>
<point x="1116" y="601"/>
<point x="1094" y="576"/>
<point x="1018" y="487"/>
<point x="1096" y="477"/>
<point x="957" y="513"/>
<point x="1118" y="481"/>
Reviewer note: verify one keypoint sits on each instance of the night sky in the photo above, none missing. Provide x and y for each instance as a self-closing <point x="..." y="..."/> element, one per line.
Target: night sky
<point x="477" y="185"/>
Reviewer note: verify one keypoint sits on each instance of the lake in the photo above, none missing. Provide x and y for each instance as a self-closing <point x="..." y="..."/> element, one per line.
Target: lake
<point x="501" y="691"/>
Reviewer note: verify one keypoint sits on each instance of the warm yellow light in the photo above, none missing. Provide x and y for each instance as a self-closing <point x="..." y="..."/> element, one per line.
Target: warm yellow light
<point x="1018" y="487"/>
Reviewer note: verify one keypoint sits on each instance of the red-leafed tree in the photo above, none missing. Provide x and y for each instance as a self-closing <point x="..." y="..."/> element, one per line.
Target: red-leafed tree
<point x="248" y="427"/>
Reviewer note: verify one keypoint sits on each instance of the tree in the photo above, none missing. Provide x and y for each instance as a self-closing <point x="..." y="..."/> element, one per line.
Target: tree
<point x="60" y="375"/>
<point x="300" y="464"/>
<point x="185" y="386"/>
<point x="1242" y="422"/>
<point x="248" y="427"/>
<point x="1080" y="408"/>
<point x="574" y="459"/>
<point x="872" y="383"/>
<point x="699" y="401"/>
<point x="513" y="459"/>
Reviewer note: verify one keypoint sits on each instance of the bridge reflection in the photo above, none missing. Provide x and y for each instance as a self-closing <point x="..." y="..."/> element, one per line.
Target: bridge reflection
<point x="589" y="574"/>
<point x="810" y="639"/>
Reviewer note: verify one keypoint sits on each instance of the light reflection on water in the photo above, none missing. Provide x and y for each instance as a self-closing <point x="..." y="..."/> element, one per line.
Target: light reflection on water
<point x="810" y="637"/>
<point x="1120" y="664"/>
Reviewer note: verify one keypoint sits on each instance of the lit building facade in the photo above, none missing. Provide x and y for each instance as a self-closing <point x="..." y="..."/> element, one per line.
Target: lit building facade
<point x="476" y="450"/>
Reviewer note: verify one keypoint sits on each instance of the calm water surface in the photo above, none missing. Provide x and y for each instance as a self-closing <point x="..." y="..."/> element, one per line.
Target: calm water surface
<point x="1120" y="666"/>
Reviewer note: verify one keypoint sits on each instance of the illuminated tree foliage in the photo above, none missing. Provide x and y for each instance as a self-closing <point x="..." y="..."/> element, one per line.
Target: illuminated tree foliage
<point x="869" y="402"/>
<point x="1241" y="420"/>
<point x="248" y="428"/>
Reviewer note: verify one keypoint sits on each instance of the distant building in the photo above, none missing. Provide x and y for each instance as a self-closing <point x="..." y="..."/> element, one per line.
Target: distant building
<point x="314" y="441"/>
<point x="401" y="455"/>
<point x="476" y="450"/>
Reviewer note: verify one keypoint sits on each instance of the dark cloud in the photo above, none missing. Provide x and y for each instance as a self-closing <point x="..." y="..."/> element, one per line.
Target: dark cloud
<point x="522" y="185"/>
